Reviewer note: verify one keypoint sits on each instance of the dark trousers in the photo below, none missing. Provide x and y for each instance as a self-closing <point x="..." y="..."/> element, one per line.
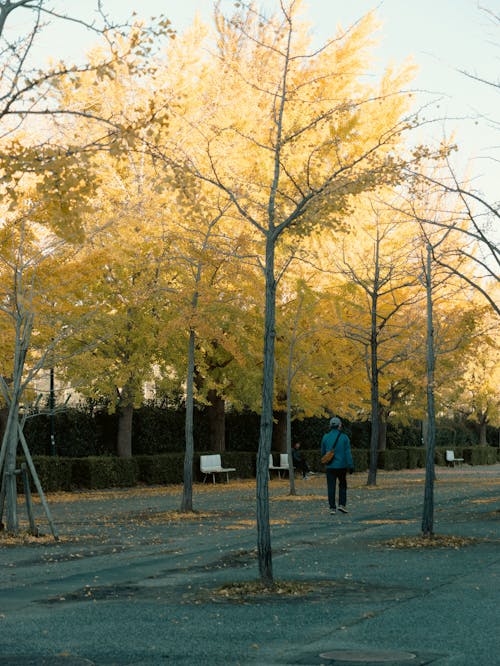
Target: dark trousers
<point x="331" y="479"/>
<point x="301" y="465"/>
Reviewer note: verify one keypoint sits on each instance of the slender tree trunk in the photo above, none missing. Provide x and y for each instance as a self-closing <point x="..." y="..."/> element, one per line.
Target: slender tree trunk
<point x="11" y="441"/>
<point x="24" y="327"/>
<point x="125" y="419"/>
<point x="374" y="372"/>
<point x="374" y="434"/>
<point x="428" y="511"/>
<point x="291" y="472"/>
<point x="425" y="428"/>
<point x="187" y="490"/>
<point x="266" y="423"/>
<point x="217" y="421"/>
<point x="187" y="493"/>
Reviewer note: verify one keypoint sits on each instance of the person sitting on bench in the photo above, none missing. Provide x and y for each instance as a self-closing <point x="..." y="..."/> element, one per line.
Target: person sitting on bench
<point x="299" y="461"/>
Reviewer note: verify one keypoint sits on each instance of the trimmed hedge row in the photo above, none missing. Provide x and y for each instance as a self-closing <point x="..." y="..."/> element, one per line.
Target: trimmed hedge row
<point x="98" y="472"/>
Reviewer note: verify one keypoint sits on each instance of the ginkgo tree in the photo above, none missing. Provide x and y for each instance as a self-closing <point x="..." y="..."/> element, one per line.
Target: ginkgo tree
<point x="129" y="254"/>
<point x="472" y="230"/>
<point x="46" y="180"/>
<point x="290" y="134"/>
<point x="382" y="281"/>
<point x="476" y="393"/>
<point x="312" y="371"/>
<point x="215" y="313"/>
<point x="42" y="285"/>
<point x="449" y="312"/>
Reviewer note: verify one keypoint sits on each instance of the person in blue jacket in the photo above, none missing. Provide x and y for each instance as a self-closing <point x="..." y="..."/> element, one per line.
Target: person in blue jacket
<point x="341" y="463"/>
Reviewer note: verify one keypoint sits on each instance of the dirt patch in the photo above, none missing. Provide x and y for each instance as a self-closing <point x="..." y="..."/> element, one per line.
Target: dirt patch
<point x="247" y="592"/>
<point x="435" y="541"/>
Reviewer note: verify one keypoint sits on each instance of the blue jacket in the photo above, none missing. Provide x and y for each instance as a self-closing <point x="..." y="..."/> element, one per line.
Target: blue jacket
<point x="343" y="456"/>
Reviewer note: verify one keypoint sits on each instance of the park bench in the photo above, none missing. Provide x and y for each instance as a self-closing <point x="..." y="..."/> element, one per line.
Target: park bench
<point x="451" y="460"/>
<point x="282" y="467"/>
<point x="212" y="464"/>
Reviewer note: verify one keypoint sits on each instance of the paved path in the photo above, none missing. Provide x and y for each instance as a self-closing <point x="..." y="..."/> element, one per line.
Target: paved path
<point x="133" y="583"/>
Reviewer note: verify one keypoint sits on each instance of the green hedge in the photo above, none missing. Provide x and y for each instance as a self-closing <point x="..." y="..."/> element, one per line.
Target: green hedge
<point x="480" y="455"/>
<point x="161" y="469"/>
<point x="361" y="459"/>
<point x="55" y="473"/>
<point x="416" y="457"/>
<point x="97" y="472"/>
<point x="392" y="459"/>
<point x="104" y="472"/>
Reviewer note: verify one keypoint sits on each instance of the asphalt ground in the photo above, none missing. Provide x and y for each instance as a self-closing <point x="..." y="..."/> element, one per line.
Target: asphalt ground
<point x="133" y="582"/>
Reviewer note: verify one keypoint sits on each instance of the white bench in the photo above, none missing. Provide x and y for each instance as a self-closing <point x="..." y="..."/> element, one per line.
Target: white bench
<point x="451" y="460"/>
<point x="212" y="464"/>
<point x="282" y="467"/>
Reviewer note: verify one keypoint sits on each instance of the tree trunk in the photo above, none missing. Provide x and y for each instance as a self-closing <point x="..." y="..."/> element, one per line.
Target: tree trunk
<point x="125" y="417"/>
<point x="187" y="489"/>
<point x="266" y="423"/>
<point x="217" y="421"/>
<point x="24" y="327"/>
<point x="428" y="511"/>
<point x="291" y="472"/>
<point x="11" y="440"/>
<point x="374" y="389"/>
<point x="187" y="492"/>
<point x="124" y="440"/>
<point x="483" y="422"/>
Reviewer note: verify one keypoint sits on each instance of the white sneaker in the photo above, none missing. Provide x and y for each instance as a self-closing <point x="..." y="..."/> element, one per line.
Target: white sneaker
<point x="343" y="509"/>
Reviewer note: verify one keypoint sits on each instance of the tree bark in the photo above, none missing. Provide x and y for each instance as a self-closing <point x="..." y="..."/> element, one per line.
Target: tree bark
<point x="374" y="373"/>
<point x="483" y="422"/>
<point x="24" y="328"/>
<point x="291" y="471"/>
<point x="124" y="439"/>
<point x="187" y="491"/>
<point x="125" y="418"/>
<point x="428" y="511"/>
<point x="266" y="422"/>
<point x="11" y="441"/>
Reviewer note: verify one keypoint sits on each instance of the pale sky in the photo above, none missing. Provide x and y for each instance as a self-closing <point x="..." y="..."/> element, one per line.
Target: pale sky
<point x="442" y="36"/>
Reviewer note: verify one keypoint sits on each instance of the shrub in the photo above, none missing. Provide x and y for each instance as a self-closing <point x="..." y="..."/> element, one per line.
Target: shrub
<point x="416" y="457"/>
<point x="479" y="455"/>
<point x="361" y="459"/>
<point x="393" y="459"/>
<point x="104" y="472"/>
<point x="160" y="469"/>
<point x="54" y="473"/>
